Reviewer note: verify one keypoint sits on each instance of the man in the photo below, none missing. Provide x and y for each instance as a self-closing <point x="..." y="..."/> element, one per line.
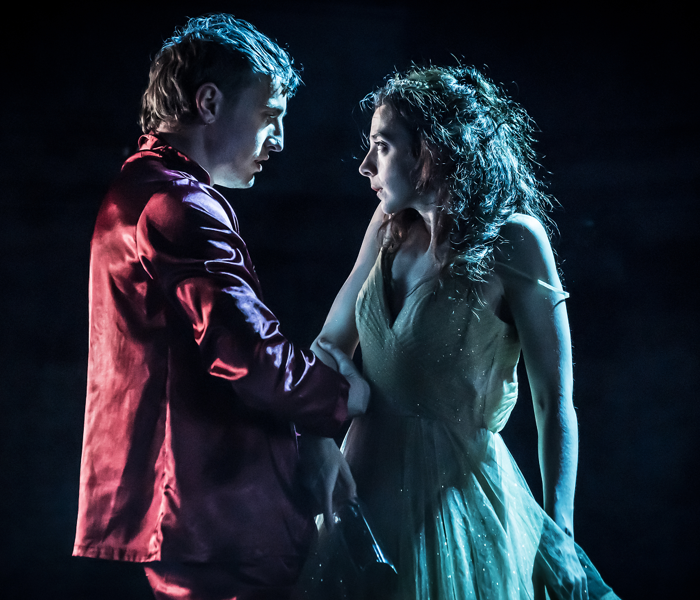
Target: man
<point x="190" y="460"/>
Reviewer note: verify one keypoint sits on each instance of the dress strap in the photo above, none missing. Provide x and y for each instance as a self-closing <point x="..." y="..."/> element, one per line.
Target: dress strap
<point x="538" y="281"/>
<point x="551" y="287"/>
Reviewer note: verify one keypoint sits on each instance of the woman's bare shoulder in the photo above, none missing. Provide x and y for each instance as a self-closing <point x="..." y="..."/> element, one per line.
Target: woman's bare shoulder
<point x="522" y="229"/>
<point x="524" y="245"/>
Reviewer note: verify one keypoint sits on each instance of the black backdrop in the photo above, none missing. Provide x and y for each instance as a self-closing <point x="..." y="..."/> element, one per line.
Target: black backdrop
<point x="612" y="90"/>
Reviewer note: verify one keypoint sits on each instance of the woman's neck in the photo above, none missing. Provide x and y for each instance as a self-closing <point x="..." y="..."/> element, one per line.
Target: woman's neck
<point x="433" y="222"/>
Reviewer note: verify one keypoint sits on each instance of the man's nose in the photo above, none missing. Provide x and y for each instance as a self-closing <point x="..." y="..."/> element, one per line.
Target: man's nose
<point x="276" y="140"/>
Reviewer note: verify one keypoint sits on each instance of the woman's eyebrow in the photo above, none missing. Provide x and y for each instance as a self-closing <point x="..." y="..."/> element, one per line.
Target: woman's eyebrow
<point x="381" y="133"/>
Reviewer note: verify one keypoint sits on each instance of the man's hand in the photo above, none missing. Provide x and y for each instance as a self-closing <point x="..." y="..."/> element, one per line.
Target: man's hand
<point x="358" y="398"/>
<point x="326" y="474"/>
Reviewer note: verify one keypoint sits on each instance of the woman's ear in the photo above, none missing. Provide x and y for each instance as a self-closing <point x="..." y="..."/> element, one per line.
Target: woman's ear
<point x="208" y="100"/>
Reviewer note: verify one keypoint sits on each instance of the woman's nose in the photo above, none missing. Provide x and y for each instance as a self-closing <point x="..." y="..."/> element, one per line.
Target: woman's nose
<point x="367" y="167"/>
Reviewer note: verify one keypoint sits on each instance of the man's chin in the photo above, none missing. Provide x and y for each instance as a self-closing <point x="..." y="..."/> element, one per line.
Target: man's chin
<point x="244" y="185"/>
<point x="236" y="184"/>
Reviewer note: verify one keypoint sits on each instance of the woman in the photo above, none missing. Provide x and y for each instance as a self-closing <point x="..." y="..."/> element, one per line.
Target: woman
<point x="455" y="278"/>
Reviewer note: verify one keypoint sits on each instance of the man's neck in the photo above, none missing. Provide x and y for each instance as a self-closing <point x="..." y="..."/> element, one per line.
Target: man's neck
<point x="185" y="141"/>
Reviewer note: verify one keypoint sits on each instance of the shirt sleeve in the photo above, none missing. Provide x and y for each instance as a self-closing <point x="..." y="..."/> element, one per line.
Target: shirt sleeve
<point x="188" y="242"/>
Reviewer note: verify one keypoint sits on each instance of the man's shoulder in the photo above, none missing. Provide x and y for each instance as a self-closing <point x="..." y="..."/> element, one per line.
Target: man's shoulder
<point x="148" y="184"/>
<point x="147" y="170"/>
<point x="148" y="174"/>
<point x="176" y="198"/>
<point x="190" y="200"/>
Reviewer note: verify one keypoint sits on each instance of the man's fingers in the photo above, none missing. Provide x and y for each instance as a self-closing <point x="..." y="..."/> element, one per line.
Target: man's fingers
<point x="345" y="365"/>
<point x="358" y="398"/>
<point x="328" y="501"/>
<point x="348" y="480"/>
<point x="328" y="512"/>
<point x="339" y="473"/>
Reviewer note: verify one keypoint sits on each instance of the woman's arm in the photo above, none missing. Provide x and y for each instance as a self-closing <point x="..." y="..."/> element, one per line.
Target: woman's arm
<point x="323" y="465"/>
<point x="339" y="330"/>
<point x="524" y="257"/>
<point x="525" y="263"/>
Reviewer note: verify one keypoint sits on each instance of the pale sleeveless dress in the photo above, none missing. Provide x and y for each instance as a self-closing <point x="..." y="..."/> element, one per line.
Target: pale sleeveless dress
<point x="445" y="496"/>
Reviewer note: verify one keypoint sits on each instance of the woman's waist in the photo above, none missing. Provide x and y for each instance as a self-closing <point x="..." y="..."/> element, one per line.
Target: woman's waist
<point x="458" y="411"/>
<point x="411" y="452"/>
<point x="423" y="417"/>
<point x="459" y="402"/>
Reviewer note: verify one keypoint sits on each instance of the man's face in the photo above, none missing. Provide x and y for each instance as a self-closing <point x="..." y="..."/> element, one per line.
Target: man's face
<point x="244" y="134"/>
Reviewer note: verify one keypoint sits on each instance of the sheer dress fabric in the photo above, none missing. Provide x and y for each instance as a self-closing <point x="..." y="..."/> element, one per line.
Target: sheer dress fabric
<point x="447" y="500"/>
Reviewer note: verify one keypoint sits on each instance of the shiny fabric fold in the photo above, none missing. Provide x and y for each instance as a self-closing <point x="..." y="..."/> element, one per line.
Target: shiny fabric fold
<point x="189" y="449"/>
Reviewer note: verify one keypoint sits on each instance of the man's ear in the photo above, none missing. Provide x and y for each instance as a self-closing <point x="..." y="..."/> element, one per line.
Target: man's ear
<point x="208" y="99"/>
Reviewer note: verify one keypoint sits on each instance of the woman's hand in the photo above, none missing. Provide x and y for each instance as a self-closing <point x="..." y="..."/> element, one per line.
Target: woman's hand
<point x="565" y="581"/>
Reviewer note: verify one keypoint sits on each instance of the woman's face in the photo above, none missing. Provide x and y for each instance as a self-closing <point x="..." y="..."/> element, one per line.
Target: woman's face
<point x="389" y="163"/>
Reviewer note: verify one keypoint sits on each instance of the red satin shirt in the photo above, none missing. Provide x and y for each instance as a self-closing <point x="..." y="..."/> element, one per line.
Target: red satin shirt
<point x="189" y="452"/>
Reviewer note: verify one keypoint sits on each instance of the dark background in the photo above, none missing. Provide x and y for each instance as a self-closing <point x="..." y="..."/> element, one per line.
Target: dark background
<point x="613" y="89"/>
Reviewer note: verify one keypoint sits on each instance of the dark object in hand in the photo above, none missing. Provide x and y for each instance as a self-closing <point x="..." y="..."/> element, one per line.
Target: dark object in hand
<point x="376" y="570"/>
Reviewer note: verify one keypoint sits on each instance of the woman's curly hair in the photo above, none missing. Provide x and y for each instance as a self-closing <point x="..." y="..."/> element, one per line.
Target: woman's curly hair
<point x="473" y="146"/>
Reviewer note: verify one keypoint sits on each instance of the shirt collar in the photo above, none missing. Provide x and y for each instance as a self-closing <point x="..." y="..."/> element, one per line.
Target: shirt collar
<point x="152" y="145"/>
